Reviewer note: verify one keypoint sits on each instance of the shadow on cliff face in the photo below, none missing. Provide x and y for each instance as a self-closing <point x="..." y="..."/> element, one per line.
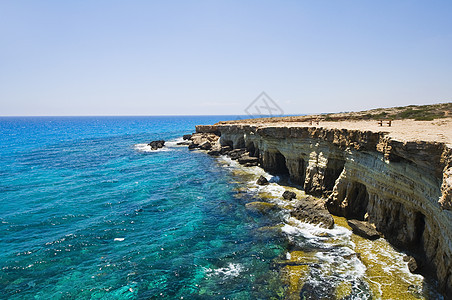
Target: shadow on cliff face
<point x="333" y="170"/>
<point x="252" y="150"/>
<point x="274" y="162"/>
<point x="351" y="200"/>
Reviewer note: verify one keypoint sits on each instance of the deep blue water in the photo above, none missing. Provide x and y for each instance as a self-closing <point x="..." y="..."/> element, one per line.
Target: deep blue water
<point x="85" y="215"/>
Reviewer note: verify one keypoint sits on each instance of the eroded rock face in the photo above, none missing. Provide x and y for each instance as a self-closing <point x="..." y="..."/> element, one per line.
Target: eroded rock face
<point x="204" y="141"/>
<point x="446" y="187"/>
<point x="403" y="188"/>
<point x="213" y="129"/>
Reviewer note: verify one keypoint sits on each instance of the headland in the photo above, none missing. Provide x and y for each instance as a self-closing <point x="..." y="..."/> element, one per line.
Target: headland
<point x="390" y="169"/>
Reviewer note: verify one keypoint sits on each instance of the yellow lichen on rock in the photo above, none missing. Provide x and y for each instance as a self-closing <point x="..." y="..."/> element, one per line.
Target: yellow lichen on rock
<point x="261" y="207"/>
<point x="294" y="277"/>
<point x="386" y="273"/>
<point x="296" y="271"/>
<point x="343" y="290"/>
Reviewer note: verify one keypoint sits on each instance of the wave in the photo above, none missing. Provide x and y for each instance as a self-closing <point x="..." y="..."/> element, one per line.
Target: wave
<point x="232" y="270"/>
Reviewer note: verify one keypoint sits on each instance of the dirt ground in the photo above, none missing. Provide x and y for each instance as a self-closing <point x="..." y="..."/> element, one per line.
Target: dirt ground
<point x="439" y="130"/>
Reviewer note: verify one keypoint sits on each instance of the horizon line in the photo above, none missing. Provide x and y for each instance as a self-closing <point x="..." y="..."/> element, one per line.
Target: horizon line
<point x="163" y="115"/>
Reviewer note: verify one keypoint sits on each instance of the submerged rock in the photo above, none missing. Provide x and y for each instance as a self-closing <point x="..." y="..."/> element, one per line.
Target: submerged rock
<point x="185" y="143"/>
<point x="260" y="207"/>
<point x="262" y="181"/>
<point x="157" y="144"/>
<point x="294" y="277"/>
<point x="288" y="195"/>
<point x="312" y="210"/>
<point x="364" y="229"/>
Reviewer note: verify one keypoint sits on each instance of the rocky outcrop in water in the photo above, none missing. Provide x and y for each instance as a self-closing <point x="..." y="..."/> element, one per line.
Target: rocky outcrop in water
<point x="262" y="181"/>
<point x="260" y="207"/>
<point x="403" y="188"/>
<point x="288" y="195"/>
<point x="364" y="229"/>
<point x="157" y="144"/>
<point x="313" y="210"/>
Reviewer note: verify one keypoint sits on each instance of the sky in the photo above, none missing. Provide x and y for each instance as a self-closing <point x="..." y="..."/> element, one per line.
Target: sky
<point x="215" y="57"/>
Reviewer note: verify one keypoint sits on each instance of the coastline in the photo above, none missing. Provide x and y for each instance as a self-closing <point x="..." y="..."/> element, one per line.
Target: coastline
<point x="404" y="180"/>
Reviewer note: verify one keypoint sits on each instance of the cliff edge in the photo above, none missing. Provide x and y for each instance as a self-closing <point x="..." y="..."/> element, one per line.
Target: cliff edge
<point x="398" y="178"/>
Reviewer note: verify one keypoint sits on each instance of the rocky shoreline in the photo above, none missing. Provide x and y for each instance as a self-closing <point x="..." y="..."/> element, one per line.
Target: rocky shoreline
<point x="399" y="190"/>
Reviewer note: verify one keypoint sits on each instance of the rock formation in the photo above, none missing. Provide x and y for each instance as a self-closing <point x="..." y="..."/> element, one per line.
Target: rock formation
<point x="203" y="141"/>
<point x="262" y="181"/>
<point x="157" y="144"/>
<point x="403" y="188"/>
<point x="288" y="195"/>
<point x="364" y="229"/>
<point x="312" y="210"/>
<point x="260" y="207"/>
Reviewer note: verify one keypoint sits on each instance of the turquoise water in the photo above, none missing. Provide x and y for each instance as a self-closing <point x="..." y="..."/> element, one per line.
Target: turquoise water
<point x="86" y="214"/>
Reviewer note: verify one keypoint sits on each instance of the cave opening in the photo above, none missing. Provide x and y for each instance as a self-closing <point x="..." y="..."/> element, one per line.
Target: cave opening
<point x="240" y="143"/>
<point x="252" y="150"/>
<point x="333" y="170"/>
<point x="227" y="143"/>
<point x="419" y="227"/>
<point x="280" y="166"/>
<point x="358" y="199"/>
<point x="299" y="174"/>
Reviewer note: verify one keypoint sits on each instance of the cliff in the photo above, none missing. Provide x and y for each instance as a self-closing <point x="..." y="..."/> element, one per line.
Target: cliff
<point x="403" y="187"/>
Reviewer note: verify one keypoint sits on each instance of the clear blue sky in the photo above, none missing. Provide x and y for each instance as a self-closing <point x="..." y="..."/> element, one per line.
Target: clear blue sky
<point x="215" y="57"/>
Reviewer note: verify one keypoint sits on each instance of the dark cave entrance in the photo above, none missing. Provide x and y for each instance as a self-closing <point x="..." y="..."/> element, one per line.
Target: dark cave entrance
<point x="300" y="174"/>
<point x="252" y="150"/>
<point x="280" y="167"/>
<point x="240" y="143"/>
<point x="358" y="199"/>
<point x="333" y="170"/>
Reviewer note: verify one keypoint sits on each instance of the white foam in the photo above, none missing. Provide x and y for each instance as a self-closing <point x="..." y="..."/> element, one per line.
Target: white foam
<point x="118" y="239"/>
<point x="314" y="231"/>
<point x="173" y="143"/>
<point x="232" y="270"/>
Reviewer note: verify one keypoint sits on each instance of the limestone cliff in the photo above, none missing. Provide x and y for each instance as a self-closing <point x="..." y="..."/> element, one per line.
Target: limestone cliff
<point x="404" y="188"/>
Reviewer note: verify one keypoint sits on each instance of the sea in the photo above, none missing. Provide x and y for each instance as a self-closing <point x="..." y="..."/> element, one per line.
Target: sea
<point x="89" y="211"/>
